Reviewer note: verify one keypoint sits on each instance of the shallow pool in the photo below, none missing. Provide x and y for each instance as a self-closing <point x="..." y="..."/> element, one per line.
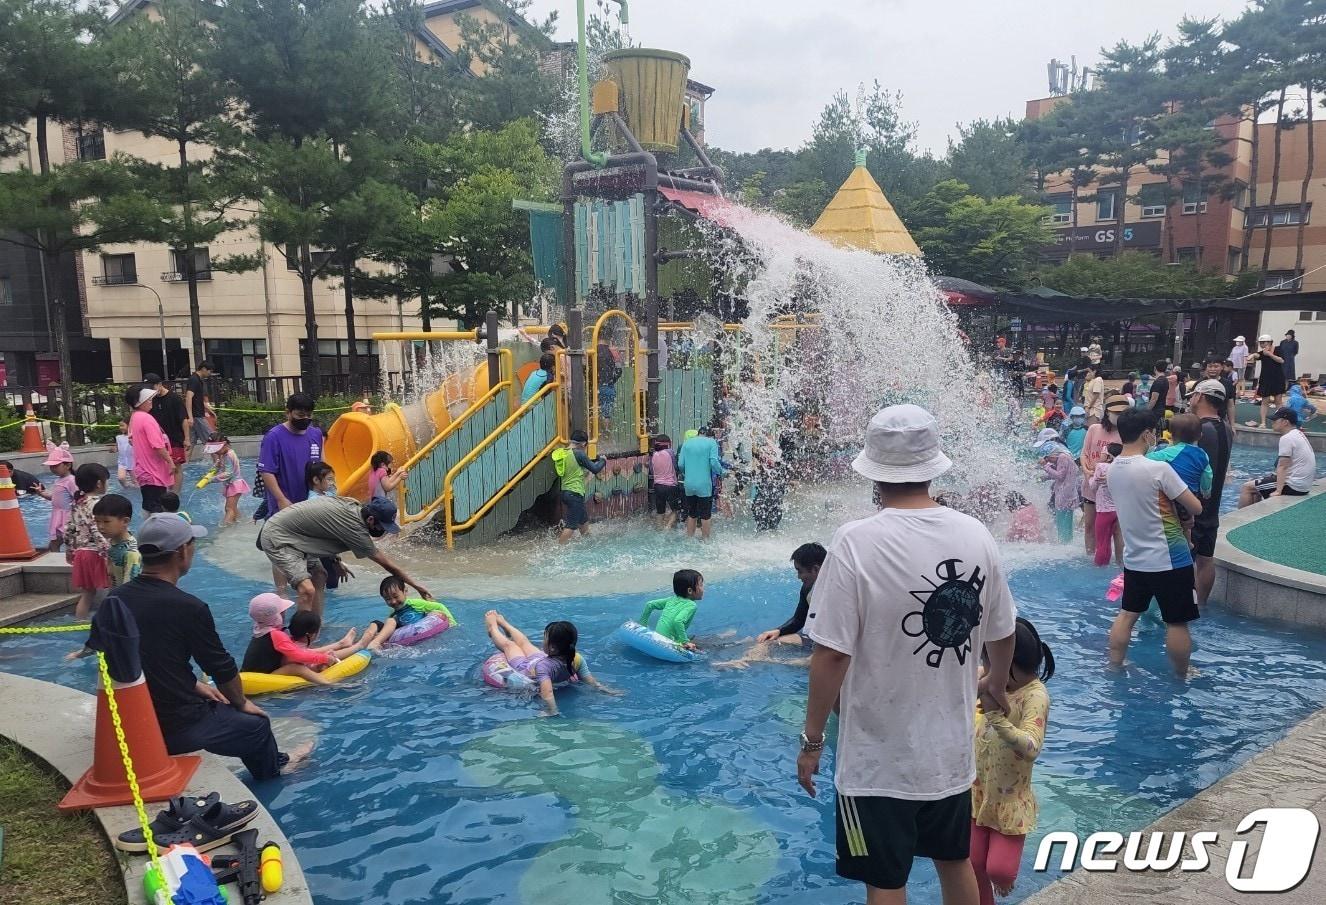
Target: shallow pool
<point x="427" y="786"/>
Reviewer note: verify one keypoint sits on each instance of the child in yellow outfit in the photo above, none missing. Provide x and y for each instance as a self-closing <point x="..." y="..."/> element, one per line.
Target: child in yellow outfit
<point x="1003" y="803"/>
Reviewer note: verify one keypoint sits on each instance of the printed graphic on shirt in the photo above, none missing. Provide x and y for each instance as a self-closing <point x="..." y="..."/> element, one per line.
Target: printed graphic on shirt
<point x="950" y="611"/>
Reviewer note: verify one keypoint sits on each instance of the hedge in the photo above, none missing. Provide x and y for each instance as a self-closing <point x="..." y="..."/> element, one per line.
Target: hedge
<point x="241" y="417"/>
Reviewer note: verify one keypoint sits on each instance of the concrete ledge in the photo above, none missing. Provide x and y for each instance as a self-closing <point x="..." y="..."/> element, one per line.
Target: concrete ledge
<point x="1252" y="586"/>
<point x="1269" y="439"/>
<point x="1286" y="775"/>
<point x="56" y="724"/>
<point x="35" y="588"/>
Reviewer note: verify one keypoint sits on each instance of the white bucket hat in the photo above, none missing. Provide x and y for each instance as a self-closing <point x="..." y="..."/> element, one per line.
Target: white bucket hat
<point x="902" y="447"/>
<point x="1046" y="435"/>
<point x="1265" y="338"/>
<point x="1239" y="339"/>
<point x="145" y="394"/>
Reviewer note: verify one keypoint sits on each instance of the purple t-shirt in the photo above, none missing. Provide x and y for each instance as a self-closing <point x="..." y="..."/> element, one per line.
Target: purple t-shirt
<point x="285" y="454"/>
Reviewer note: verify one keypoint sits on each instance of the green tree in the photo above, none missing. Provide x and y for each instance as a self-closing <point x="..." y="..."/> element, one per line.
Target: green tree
<point x="507" y="54"/>
<point x="990" y="157"/>
<point x="169" y="87"/>
<point x="994" y="241"/>
<point x="1136" y="274"/>
<point x="68" y="210"/>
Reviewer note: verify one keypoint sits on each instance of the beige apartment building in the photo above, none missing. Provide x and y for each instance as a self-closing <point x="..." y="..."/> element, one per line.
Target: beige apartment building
<point x="1210" y="230"/>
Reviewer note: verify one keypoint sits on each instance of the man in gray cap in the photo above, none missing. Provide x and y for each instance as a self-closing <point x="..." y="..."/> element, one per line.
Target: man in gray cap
<point x="299" y="536"/>
<point x="174" y="628"/>
<point x="907" y="598"/>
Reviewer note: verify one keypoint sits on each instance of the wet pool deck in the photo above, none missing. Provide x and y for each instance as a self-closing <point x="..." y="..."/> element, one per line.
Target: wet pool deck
<point x="1287" y="775"/>
<point x="55" y="724"/>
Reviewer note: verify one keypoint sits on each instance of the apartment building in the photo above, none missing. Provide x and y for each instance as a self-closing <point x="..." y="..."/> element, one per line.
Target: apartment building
<point x="1210" y="230"/>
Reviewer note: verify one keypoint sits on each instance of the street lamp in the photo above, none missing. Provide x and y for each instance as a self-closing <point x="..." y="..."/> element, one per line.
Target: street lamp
<point x="161" y="322"/>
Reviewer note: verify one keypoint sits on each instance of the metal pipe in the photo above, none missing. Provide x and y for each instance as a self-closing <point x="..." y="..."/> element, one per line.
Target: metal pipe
<point x="494" y="358"/>
<point x="428" y="335"/>
<point x="626" y="133"/>
<point x="699" y="151"/>
<point x="582" y="60"/>
<point x="693" y="185"/>
<point x="575" y="330"/>
<point x="651" y="314"/>
<point x="161" y="323"/>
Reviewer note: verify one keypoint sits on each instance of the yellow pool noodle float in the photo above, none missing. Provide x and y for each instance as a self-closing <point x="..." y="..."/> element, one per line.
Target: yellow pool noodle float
<point x="256" y="683"/>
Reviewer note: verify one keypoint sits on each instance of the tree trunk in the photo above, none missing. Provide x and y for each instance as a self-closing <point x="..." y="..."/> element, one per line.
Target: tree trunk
<point x="43" y="152"/>
<point x="1120" y="211"/>
<point x="1275" y="180"/>
<point x="1072" y="235"/>
<point x="1197" y="223"/>
<point x="1168" y="225"/>
<point x="1250" y="203"/>
<point x="425" y="315"/>
<point x="1303" y="191"/>
<point x="55" y="303"/>
<point x="350" y="321"/>
<point x="312" y="368"/>
<point x="190" y="270"/>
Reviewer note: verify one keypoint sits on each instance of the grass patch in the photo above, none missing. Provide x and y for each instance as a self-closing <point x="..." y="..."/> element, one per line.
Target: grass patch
<point x="49" y="856"/>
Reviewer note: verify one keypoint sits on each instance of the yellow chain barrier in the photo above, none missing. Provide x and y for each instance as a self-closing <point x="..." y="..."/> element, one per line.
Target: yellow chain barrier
<point x="13" y="423"/>
<point x="45" y="629"/>
<point x="128" y="764"/>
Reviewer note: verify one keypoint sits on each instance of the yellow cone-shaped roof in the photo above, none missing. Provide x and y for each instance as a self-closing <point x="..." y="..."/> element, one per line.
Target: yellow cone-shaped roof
<point x="861" y="217"/>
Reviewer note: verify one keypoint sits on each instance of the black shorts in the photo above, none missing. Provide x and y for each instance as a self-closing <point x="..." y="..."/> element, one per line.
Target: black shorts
<point x="878" y="837"/>
<point x="152" y="497"/>
<point x="575" y="514"/>
<point x="700" y="508"/>
<point x="1173" y="590"/>
<point x="1266" y="486"/>
<point x="1204" y="533"/>
<point x="667" y="496"/>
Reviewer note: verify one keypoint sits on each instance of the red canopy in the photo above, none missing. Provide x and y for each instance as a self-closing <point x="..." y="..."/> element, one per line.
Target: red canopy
<point x="710" y="207"/>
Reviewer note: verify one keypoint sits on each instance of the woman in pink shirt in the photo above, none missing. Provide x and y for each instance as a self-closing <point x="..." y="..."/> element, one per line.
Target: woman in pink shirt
<point x="153" y="468"/>
<point x="667" y="495"/>
<point x="1098" y="437"/>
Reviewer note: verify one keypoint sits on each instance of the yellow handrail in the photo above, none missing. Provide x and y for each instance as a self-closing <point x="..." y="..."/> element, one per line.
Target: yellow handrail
<point x="451" y="428"/>
<point x="593" y="390"/>
<point x="473" y="454"/>
<point x="431" y="335"/>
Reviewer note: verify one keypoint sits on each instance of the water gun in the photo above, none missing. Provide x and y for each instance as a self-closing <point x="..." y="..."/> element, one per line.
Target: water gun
<point x="206" y="479"/>
<point x="183" y="879"/>
<point x="241" y="869"/>
<point x="1115" y="593"/>
<point x="271" y="867"/>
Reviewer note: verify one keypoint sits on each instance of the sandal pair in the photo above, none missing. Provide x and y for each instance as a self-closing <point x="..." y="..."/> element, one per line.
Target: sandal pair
<point x="204" y="823"/>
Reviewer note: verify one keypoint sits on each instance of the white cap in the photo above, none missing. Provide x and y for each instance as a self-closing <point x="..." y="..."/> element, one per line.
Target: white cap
<point x="1265" y="338"/>
<point x="1240" y="339"/>
<point x="902" y="446"/>
<point x="1047" y="434"/>
<point x="145" y="394"/>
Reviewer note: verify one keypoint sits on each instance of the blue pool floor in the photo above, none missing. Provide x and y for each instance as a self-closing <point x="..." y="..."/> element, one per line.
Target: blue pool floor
<point x="427" y="786"/>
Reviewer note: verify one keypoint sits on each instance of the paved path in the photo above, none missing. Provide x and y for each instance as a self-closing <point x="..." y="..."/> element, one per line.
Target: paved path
<point x="1287" y="775"/>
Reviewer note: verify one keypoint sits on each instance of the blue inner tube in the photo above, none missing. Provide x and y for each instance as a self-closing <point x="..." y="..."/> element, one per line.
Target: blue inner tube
<point x="647" y="641"/>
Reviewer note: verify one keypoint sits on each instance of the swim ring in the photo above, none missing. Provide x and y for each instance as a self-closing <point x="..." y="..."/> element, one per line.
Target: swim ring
<point x="647" y="641"/>
<point x="256" y="683"/>
<point x="432" y="624"/>
<point x="497" y="672"/>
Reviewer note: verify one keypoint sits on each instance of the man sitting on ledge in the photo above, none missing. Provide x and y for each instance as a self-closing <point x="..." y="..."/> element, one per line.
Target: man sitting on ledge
<point x="1295" y="463"/>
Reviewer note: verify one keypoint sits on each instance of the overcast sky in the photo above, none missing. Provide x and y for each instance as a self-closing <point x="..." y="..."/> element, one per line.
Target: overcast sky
<point x="775" y="63"/>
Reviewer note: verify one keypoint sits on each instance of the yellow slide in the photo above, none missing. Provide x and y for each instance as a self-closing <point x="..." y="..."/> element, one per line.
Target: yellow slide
<point x="256" y="683"/>
<point x="355" y="436"/>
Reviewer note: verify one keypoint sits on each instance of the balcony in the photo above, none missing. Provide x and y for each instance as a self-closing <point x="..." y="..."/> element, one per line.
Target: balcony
<point x="175" y="276"/>
<point x="116" y="279"/>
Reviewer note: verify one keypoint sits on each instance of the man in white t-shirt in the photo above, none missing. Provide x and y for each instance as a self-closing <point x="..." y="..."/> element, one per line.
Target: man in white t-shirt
<point x="1157" y="560"/>
<point x="1295" y="463"/>
<point x="903" y="606"/>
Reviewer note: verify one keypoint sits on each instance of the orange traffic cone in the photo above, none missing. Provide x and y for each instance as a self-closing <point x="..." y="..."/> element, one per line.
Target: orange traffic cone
<point x="160" y="776"/>
<point x="32" y="441"/>
<point x="14" y="540"/>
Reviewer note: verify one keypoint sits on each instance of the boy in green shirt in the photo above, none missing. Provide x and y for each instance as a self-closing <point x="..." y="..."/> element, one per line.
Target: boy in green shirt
<point x="677" y="610"/>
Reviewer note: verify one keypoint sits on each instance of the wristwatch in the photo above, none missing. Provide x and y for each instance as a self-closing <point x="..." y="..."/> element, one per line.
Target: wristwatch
<point x="808" y="745"/>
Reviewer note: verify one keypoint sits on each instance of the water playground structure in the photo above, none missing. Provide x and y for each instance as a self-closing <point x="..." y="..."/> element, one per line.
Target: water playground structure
<point x="637" y="254"/>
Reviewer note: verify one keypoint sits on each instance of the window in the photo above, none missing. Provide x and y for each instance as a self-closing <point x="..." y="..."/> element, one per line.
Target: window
<point x="237" y="359"/>
<point x="292" y="257"/>
<point x="1105" y="206"/>
<point x="1061" y="209"/>
<point x="334" y="356"/>
<point x="1280" y="215"/>
<point x="117" y="270"/>
<point x="1308" y="315"/>
<point x="1240" y="199"/>
<point x="1282" y="281"/>
<point x="1233" y="258"/>
<point x="1189" y="254"/>
<point x="1193" y="200"/>
<point x="1152" y="199"/>
<point x="91" y="144"/>
<point x="6" y="291"/>
<point x="202" y="265"/>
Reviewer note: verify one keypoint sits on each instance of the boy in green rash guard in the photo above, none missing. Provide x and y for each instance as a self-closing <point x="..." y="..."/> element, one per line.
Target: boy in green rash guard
<point x="407" y="611"/>
<point x="570" y="462"/>
<point x="677" y="610"/>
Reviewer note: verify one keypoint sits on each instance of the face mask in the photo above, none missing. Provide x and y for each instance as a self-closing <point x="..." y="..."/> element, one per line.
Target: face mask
<point x="331" y="489"/>
<point x="300" y="424"/>
<point x="376" y="531"/>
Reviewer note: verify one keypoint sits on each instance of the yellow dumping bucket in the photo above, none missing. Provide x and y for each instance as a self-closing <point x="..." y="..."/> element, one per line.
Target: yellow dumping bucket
<point x="653" y="84"/>
<point x="353" y="439"/>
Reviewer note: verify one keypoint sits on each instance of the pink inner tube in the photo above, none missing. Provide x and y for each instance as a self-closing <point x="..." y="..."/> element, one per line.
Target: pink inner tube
<point x="427" y="627"/>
